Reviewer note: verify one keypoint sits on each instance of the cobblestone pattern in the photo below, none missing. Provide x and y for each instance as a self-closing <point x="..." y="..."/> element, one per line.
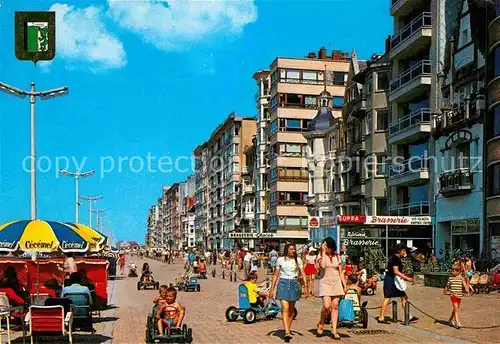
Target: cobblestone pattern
<point x="205" y="314"/>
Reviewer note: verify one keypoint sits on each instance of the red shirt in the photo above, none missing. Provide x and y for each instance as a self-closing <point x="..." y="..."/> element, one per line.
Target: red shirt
<point x="13" y="297"/>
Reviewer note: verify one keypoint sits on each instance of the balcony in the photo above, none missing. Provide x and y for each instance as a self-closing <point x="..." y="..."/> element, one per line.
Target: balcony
<point x="409" y="172"/>
<point x="357" y="106"/>
<point x="412" y="83"/>
<point x="357" y="190"/>
<point x="410" y="209"/>
<point x="456" y="182"/>
<point x="410" y="128"/>
<point x="249" y="189"/>
<point x="403" y="7"/>
<point x="324" y="197"/>
<point x="412" y="38"/>
<point x="456" y="117"/>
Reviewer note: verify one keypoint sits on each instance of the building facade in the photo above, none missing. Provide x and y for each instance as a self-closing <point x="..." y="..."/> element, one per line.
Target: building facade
<point x="296" y="84"/>
<point x="152" y="232"/>
<point x="492" y="137"/>
<point x="260" y="177"/>
<point x="186" y="194"/>
<point x="458" y="133"/>
<point x="411" y="48"/>
<point x="201" y="195"/>
<point x="223" y="156"/>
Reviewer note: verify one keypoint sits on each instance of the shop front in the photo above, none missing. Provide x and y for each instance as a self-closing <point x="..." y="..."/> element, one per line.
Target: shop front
<point x="376" y="235"/>
<point x="322" y="227"/>
<point x="264" y="242"/>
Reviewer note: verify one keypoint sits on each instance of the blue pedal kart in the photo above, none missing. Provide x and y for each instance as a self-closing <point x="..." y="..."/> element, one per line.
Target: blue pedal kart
<point x="351" y="312"/>
<point x="250" y="313"/>
<point x="191" y="285"/>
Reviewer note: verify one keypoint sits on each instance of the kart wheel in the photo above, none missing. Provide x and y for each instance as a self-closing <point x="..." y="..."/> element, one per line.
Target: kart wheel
<point x="198" y="287"/>
<point x="295" y="312"/>
<point x="476" y="290"/>
<point x="370" y="291"/>
<point x="364" y="318"/>
<point x="138" y="285"/>
<point x="189" y="336"/>
<point x="487" y="290"/>
<point x="184" y="329"/>
<point x="231" y="314"/>
<point x="249" y="316"/>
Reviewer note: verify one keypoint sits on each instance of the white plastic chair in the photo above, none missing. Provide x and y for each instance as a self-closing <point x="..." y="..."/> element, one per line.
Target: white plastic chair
<point x="5" y="314"/>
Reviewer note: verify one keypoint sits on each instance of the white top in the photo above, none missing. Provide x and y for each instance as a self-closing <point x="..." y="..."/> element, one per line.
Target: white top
<point x="363" y="275"/>
<point x="288" y="267"/>
<point x="311" y="259"/>
<point x="247" y="258"/>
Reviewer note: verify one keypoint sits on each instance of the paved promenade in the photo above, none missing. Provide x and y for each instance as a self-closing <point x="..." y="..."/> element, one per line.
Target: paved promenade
<point x="205" y="314"/>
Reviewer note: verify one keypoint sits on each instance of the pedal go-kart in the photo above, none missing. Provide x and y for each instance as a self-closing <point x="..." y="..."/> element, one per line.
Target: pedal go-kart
<point x="250" y="314"/>
<point x="146" y="282"/>
<point x="354" y="315"/>
<point x="171" y="334"/>
<point x="191" y="285"/>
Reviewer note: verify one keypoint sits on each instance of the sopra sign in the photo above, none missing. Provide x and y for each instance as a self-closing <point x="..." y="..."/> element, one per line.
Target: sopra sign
<point x="384" y="220"/>
<point x="251" y="235"/>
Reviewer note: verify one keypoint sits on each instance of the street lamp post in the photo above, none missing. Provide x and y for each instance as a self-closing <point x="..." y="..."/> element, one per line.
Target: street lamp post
<point x="77" y="175"/>
<point x="91" y="200"/>
<point x="98" y="211"/>
<point x="33" y="94"/>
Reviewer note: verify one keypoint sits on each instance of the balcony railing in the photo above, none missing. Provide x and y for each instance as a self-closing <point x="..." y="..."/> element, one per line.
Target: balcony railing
<point x="414" y="164"/>
<point x="456" y="182"/>
<point x="249" y="189"/>
<point x="291" y="202"/>
<point x="456" y="116"/>
<point x="422" y="116"/>
<point x="325" y="197"/>
<point x="423" y="20"/>
<point x="410" y="209"/>
<point x="423" y="68"/>
<point x="329" y="82"/>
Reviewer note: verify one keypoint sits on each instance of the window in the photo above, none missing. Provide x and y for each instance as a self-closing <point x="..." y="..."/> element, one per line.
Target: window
<point x="369" y="123"/>
<point x="382" y="120"/>
<point x="339" y="78"/>
<point x="292" y="173"/>
<point x="273" y="128"/>
<point x="493" y="123"/>
<point x="236" y="130"/>
<point x="309" y="76"/>
<point x="383" y="81"/>
<point x="368" y="84"/>
<point x="368" y="206"/>
<point x="338" y="101"/>
<point x="381" y="166"/>
<point x="494" y="180"/>
<point x="274" y="102"/>
<point x="236" y="148"/>
<point x="294" y="124"/>
<point x="310" y="101"/>
<point x="381" y="206"/>
<point x="463" y="155"/>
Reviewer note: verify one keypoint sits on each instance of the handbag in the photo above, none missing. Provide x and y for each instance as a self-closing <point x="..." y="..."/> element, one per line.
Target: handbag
<point x="400" y="283"/>
<point x="346" y="310"/>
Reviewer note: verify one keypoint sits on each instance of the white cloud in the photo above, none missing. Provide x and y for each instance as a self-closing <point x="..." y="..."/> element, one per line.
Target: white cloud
<point x="174" y="24"/>
<point x="82" y="37"/>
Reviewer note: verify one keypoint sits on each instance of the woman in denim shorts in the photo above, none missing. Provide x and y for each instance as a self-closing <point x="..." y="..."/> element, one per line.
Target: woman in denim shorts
<point x="286" y="285"/>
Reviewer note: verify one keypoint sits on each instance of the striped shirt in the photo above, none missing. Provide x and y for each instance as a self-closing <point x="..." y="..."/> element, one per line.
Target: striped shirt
<point x="455" y="286"/>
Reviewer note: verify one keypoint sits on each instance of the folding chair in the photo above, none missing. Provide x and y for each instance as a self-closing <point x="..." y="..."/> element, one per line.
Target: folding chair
<point x="50" y="321"/>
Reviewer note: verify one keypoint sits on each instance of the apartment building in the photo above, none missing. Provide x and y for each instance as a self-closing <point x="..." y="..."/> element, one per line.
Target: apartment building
<point x="410" y="109"/>
<point x="247" y="197"/>
<point x="458" y="133"/>
<point x="224" y="157"/>
<point x="201" y="195"/>
<point x="187" y="210"/>
<point x="492" y="137"/>
<point x="261" y="179"/>
<point x="152" y="230"/>
<point x="362" y="183"/>
<point x="296" y="84"/>
<point x="171" y="216"/>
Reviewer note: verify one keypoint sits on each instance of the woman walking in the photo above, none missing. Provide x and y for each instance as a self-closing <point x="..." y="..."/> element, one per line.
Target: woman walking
<point x="392" y="287"/>
<point x="331" y="283"/>
<point x="288" y="271"/>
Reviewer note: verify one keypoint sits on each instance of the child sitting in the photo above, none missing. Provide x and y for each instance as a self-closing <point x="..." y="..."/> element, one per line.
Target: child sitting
<point x="169" y="313"/>
<point x="353" y="290"/>
<point x="254" y="294"/>
<point x="146" y="273"/>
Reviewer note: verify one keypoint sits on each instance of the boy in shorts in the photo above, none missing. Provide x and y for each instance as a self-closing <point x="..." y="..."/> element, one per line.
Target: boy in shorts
<point x="169" y="313"/>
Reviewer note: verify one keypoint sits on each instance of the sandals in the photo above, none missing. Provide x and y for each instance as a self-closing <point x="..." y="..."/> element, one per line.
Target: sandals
<point x="319" y="330"/>
<point x="288" y="337"/>
<point x="335" y="336"/>
<point x="385" y="321"/>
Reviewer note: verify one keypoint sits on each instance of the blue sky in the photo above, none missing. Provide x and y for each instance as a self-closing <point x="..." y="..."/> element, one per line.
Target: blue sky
<point x="150" y="78"/>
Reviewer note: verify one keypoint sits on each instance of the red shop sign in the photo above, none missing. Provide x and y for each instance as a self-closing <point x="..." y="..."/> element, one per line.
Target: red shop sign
<point x="353" y="219"/>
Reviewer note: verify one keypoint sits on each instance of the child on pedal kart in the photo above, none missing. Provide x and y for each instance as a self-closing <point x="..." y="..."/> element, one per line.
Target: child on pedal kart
<point x="254" y="293"/>
<point x="146" y="273"/>
<point x="169" y="313"/>
<point x="202" y="268"/>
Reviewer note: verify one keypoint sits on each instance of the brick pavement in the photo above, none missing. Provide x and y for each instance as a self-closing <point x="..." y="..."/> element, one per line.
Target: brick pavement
<point x="205" y="314"/>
